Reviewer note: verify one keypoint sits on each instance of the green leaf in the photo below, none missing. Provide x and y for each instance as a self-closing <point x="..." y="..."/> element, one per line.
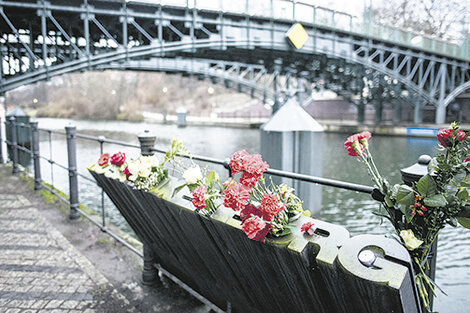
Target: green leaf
<point x="210" y="177"/>
<point x="405" y="195"/>
<point x="388" y="202"/>
<point x="426" y="186"/>
<point x="464" y="184"/>
<point x="463" y="195"/>
<point x="464" y="221"/>
<point x="408" y="214"/>
<point x="435" y="201"/>
<point x="177" y="189"/>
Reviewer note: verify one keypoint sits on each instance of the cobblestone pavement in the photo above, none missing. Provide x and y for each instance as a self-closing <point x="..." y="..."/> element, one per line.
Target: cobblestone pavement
<point x="40" y="271"/>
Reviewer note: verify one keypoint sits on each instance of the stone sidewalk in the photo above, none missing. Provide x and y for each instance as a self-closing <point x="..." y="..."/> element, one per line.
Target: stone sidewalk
<point x="40" y="271"/>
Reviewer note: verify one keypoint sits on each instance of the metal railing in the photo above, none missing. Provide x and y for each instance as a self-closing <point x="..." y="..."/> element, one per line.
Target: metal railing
<point x="305" y="12"/>
<point x="74" y="174"/>
<point x="71" y="168"/>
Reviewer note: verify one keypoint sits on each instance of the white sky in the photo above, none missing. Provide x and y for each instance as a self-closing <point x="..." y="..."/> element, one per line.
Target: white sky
<point x="354" y="7"/>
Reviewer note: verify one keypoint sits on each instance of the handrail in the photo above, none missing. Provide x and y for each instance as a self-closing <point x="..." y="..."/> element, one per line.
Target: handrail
<point x="286" y="174"/>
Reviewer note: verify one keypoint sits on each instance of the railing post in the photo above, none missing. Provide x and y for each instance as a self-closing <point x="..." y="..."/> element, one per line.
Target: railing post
<point x="73" y="178"/>
<point x="411" y="175"/>
<point x="147" y="143"/>
<point x="36" y="158"/>
<point x="14" y="144"/>
<point x="2" y="160"/>
<point x="149" y="273"/>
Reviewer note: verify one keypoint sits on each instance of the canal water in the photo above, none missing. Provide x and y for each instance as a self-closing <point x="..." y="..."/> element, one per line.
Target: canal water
<point x="349" y="209"/>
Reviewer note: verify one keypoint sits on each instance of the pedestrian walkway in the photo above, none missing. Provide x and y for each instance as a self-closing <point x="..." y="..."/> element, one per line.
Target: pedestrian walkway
<point x="40" y="271"/>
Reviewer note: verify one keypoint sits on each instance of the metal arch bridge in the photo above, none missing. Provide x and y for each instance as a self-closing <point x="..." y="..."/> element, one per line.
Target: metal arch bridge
<point x="243" y="41"/>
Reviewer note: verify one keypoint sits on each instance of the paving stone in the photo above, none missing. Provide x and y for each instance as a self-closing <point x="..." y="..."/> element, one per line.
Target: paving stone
<point x="40" y="271"/>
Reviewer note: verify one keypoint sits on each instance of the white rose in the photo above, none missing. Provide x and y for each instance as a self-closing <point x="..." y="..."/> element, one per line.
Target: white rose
<point x="192" y="175"/>
<point x="411" y="242"/>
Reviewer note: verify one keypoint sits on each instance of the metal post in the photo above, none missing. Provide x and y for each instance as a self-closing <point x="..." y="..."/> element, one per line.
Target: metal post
<point x="149" y="273"/>
<point x="73" y="178"/>
<point x="36" y="159"/>
<point x="14" y="145"/>
<point x="147" y="143"/>
<point x="1" y="140"/>
<point x="411" y="175"/>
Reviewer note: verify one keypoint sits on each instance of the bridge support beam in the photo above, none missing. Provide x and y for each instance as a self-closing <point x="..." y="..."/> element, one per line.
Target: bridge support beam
<point x="418" y="112"/>
<point x="378" y="111"/>
<point x="397" y="112"/>
<point x="440" y="114"/>
<point x="441" y="107"/>
<point x="361" y="112"/>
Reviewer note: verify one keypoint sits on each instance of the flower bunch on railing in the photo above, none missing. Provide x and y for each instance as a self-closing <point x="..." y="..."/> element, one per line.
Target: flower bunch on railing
<point x="420" y="211"/>
<point x="264" y="208"/>
<point x="145" y="172"/>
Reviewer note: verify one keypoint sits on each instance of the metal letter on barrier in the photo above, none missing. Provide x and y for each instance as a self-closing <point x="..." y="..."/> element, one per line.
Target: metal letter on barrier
<point x="380" y="267"/>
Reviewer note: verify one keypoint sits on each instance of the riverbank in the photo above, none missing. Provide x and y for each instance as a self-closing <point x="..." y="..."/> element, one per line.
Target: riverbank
<point x="331" y="126"/>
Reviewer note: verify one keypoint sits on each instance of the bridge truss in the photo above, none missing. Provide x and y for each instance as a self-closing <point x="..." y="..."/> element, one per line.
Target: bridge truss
<point x="244" y="49"/>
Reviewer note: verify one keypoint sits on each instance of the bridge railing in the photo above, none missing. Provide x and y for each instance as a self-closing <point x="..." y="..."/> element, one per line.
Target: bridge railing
<point x="309" y="13"/>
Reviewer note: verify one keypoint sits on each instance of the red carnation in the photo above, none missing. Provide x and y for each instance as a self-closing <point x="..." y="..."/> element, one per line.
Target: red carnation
<point x="256" y="228"/>
<point x="255" y="165"/>
<point x="353" y="145"/>
<point x="364" y="138"/>
<point x="248" y="180"/>
<point x="249" y="210"/>
<point x="270" y="205"/>
<point x="118" y="159"/>
<point x="126" y="172"/>
<point x="467" y="159"/>
<point x="235" y="196"/>
<point x="307" y="228"/>
<point x="447" y="138"/>
<point x="103" y="160"/>
<point x="199" y="197"/>
<point x="237" y="161"/>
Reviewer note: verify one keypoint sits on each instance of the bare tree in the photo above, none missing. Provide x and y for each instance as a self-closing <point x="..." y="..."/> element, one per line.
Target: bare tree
<point x="447" y="19"/>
